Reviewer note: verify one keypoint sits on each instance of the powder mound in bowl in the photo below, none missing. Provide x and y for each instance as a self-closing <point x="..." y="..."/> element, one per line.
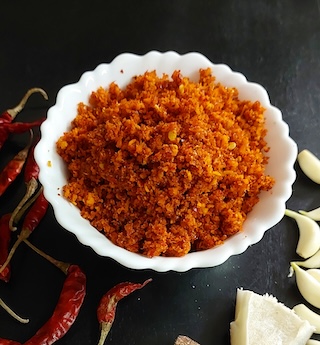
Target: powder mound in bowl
<point x="166" y="165"/>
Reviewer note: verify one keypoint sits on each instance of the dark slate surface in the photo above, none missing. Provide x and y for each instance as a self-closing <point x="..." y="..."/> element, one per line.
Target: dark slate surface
<point x="50" y="44"/>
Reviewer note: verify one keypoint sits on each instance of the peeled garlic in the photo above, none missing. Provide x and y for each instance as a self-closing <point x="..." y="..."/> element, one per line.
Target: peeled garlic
<point x="310" y="165"/>
<point x="312" y="262"/>
<point x="315" y="273"/>
<point x="313" y="342"/>
<point x="308" y="315"/>
<point x="309" y="239"/>
<point x="314" y="214"/>
<point x="308" y="286"/>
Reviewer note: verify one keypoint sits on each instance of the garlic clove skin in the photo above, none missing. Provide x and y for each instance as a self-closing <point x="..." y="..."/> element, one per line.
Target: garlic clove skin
<point x="313" y="214"/>
<point x="308" y="315"/>
<point x="309" y="238"/>
<point x="308" y="286"/>
<point x="310" y="165"/>
<point x="312" y="262"/>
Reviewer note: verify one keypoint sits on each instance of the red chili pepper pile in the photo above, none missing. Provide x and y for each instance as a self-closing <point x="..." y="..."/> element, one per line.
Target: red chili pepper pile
<point x="10" y="173"/>
<point x="32" y="208"/>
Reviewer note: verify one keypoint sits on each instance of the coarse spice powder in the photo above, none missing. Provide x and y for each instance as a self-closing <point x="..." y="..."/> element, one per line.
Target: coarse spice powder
<point x="166" y="165"/>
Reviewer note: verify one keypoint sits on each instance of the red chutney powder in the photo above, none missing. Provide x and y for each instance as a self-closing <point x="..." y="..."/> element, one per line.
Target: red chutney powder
<point x="167" y="165"/>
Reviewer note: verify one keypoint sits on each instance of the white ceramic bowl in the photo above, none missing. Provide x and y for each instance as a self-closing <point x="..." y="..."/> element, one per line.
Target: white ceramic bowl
<point x="268" y="212"/>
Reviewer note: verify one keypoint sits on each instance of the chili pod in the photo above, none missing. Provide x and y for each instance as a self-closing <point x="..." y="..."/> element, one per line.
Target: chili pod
<point x="107" y="307"/>
<point x="5" y="238"/>
<point x="66" y="311"/>
<point x="31" y="221"/>
<point x="8" y="342"/>
<point x="36" y="213"/>
<point x="20" y="127"/>
<point x="10" y="114"/>
<point x="31" y="173"/>
<point x="14" y="167"/>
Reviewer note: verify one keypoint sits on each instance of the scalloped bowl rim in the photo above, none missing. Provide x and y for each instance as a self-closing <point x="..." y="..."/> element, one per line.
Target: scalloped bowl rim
<point x="283" y="153"/>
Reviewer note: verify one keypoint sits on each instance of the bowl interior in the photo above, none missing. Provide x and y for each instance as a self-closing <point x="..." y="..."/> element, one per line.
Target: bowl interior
<point x="268" y="212"/>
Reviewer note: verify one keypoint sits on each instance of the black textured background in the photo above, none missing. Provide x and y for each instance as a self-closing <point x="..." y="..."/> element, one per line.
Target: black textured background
<point x="50" y="44"/>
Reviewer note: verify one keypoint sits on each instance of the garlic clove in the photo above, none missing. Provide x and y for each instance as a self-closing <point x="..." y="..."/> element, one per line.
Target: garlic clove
<point x="309" y="238"/>
<point x="312" y="262"/>
<point x="308" y="315"/>
<point x="315" y="273"/>
<point x="308" y="286"/>
<point x="310" y="165"/>
<point x="313" y="214"/>
<point x="313" y="342"/>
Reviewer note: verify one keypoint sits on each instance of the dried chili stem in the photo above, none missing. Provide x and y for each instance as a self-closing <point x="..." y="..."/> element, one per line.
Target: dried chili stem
<point x="23" y="209"/>
<point x="32" y="186"/>
<point x="8" y="116"/>
<point x="105" y="329"/>
<point x="23" y="235"/>
<point x="12" y="313"/>
<point x="31" y="174"/>
<point x="60" y="264"/>
<point x="17" y="109"/>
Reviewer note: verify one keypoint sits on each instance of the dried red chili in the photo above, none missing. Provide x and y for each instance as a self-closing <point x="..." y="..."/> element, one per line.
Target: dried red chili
<point x="20" y="127"/>
<point x="9" y="342"/>
<point x="68" y="306"/>
<point x="31" y="169"/>
<point x="4" y="120"/>
<point x="13" y="168"/>
<point x="31" y="173"/>
<point x="5" y="238"/>
<point x="66" y="311"/>
<point x="31" y="221"/>
<point x="107" y="307"/>
<point x="36" y="213"/>
<point x="10" y="114"/>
